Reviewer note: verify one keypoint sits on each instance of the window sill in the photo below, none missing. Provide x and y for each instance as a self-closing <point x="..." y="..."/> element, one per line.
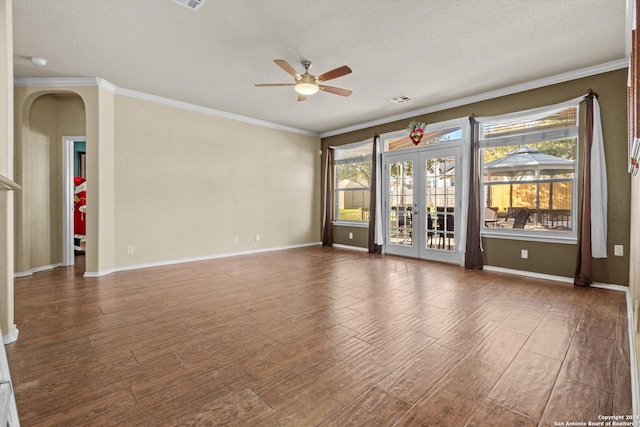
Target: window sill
<point x="568" y="239"/>
<point x="361" y="224"/>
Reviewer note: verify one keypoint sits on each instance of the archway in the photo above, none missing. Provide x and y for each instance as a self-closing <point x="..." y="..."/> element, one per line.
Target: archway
<point x="44" y="119"/>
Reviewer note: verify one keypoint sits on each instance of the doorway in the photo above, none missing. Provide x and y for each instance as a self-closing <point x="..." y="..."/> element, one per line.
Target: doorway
<point x="422" y="203"/>
<point x="73" y="197"/>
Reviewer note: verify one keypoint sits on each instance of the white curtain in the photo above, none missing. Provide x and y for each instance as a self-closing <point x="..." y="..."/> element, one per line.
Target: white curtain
<point x="464" y="211"/>
<point x="379" y="233"/>
<point x="599" y="196"/>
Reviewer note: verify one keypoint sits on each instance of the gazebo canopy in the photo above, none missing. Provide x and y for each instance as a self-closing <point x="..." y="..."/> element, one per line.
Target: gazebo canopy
<point x="527" y="159"/>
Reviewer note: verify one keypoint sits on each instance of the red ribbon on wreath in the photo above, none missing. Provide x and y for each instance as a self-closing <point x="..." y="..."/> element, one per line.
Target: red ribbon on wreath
<point x="416" y="131"/>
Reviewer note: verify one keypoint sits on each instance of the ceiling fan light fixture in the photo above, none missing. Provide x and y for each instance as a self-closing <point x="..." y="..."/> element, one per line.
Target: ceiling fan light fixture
<point x="307" y="88"/>
<point x="307" y="85"/>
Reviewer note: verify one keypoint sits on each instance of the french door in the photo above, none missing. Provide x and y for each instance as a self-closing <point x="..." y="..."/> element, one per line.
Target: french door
<point x="421" y="205"/>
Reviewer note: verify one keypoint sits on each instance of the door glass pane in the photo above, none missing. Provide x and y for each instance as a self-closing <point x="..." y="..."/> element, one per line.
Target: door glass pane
<point x="399" y="213"/>
<point x="441" y="202"/>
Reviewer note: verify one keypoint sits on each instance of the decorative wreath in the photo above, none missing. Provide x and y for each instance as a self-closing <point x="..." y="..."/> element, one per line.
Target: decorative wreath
<point x="416" y="131"/>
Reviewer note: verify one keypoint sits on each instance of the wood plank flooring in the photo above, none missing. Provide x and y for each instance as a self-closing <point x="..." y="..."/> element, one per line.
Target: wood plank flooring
<point x="316" y="336"/>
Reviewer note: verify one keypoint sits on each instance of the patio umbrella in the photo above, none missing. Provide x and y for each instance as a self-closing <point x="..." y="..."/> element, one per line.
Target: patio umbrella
<point x="526" y="161"/>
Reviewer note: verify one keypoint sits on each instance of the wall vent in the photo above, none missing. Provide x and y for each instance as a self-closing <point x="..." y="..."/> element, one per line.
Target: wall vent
<point x="400" y="99"/>
<point x="194" y="5"/>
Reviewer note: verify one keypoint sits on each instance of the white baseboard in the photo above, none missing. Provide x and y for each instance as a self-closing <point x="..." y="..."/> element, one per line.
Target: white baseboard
<point x="99" y="273"/>
<point x="352" y="248"/>
<point x="36" y="270"/>
<point x="12" y="337"/>
<point x="528" y="274"/>
<point x="552" y="277"/>
<point x="194" y="259"/>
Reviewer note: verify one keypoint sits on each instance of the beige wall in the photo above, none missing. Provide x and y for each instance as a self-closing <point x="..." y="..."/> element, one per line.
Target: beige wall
<point x="545" y="258"/>
<point x="101" y="184"/>
<point x="199" y="181"/>
<point x="98" y="105"/>
<point x="187" y="183"/>
<point x="7" y="327"/>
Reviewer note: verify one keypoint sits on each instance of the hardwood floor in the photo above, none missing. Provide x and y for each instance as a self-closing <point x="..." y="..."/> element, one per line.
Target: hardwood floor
<point x="316" y="336"/>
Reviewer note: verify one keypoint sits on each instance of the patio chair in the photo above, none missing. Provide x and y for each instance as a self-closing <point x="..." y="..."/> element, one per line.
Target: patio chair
<point x="490" y="217"/>
<point x="521" y="218"/>
<point x="430" y="229"/>
<point x="445" y="231"/>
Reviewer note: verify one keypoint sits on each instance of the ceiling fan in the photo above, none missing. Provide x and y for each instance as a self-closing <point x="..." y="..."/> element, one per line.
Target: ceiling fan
<point x="308" y="84"/>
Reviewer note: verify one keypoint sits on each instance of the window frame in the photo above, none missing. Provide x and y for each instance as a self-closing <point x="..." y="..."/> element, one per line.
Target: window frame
<point x="450" y="125"/>
<point x="337" y="191"/>
<point x="526" y="139"/>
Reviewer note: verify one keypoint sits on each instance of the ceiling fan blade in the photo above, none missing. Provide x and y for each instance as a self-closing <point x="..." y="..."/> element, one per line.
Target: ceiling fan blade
<point x="336" y="90"/>
<point x="302" y="98"/>
<point x="274" y="84"/>
<point x="338" y="72"/>
<point x="288" y="68"/>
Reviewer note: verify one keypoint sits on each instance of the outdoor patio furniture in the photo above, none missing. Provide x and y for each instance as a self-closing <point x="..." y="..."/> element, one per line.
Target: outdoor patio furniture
<point x="491" y="218"/>
<point x="556" y="218"/>
<point x="521" y="218"/>
<point x="445" y="228"/>
<point x="430" y="229"/>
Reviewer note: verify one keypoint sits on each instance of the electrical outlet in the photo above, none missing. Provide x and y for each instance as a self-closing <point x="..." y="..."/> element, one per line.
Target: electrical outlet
<point x="350" y="235"/>
<point x="618" y="250"/>
<point x="257" y="237"/>
<point x="524" y="253"/>
<point x="129" y="250"/>
<point x="235" y="239"/>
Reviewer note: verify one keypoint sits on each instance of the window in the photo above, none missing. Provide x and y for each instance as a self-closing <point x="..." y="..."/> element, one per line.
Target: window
<point x="529" y="175"/>
<point x="353" y="181"/>
<point x="430" y="137"/>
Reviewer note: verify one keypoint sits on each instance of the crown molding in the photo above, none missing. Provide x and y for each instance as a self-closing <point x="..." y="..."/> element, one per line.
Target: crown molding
<point x="107" y="86"/>
<point x="55" y="82"/>
<point x="210" y="111"/>
<point x="510" y="90"/>
<point x="535" y="84"/>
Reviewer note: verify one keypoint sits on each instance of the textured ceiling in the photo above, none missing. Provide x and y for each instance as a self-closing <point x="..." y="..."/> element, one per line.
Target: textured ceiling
<point x="434" y="51"/>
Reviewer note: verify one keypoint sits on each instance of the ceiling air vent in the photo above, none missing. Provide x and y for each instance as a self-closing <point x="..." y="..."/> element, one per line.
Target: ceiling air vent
<point x="400" y="99"/>
<point x="194" y="5"/>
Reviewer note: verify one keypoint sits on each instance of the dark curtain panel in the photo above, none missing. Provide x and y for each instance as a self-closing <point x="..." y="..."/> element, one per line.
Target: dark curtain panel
<point x="583" y="267"/>
<point x="473" y="254"/>
<point x="327" y="234"/>
<point x="373" y="247"/>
